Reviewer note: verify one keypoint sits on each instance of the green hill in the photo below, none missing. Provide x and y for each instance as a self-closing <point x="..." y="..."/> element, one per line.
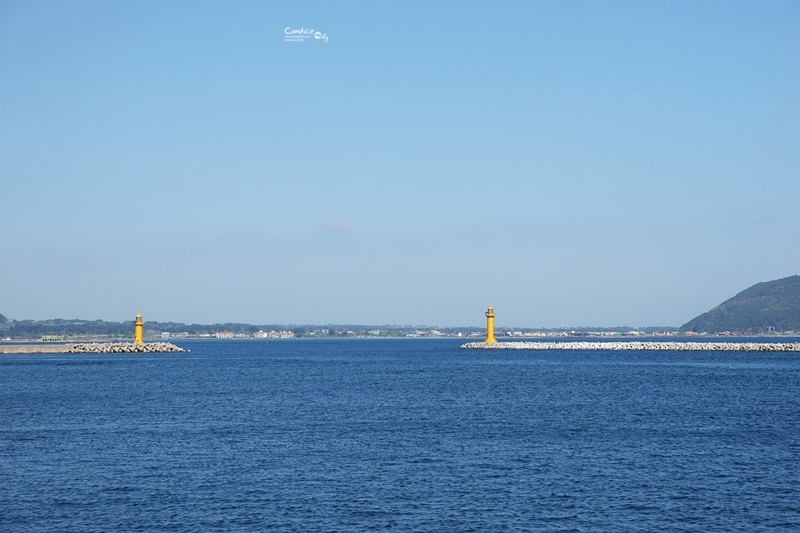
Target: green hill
<point x="764" y="307"/>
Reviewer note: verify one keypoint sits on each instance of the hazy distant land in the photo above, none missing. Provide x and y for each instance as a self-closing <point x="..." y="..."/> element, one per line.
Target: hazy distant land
<point x="78" y="329"/>
<point x="768" y="308"/>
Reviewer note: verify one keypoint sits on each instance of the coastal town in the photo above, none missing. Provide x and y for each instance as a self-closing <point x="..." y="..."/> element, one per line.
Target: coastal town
<point x="79" y="334"/>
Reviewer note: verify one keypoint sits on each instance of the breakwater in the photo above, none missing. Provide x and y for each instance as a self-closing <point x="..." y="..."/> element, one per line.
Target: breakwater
<point x="124" y="347"/>
<point x="91" y="347"/>
<point x="640" y="345"/>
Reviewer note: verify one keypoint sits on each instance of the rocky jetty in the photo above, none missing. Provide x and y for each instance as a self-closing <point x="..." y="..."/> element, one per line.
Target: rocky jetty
<point x="123" y="347"/>
<point x="640" y="345"/>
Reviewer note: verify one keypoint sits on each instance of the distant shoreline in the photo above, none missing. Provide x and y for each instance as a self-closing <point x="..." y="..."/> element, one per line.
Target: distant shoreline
<point x="476" y="338"/>
<point x="639" y="345"/>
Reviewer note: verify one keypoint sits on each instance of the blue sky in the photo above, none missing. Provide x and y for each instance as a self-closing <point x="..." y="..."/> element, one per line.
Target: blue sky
<point x="570" y="163"/>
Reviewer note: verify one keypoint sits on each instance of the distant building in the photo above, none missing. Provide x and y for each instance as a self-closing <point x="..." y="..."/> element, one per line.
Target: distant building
<point x="52" y="338"/>
<point x="165" y="335"/>
<point x="224" y="335"/>
<point x="274" y="335"/>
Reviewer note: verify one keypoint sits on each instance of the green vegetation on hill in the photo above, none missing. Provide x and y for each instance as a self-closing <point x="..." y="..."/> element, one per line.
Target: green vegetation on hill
<point x="771" y="306"/>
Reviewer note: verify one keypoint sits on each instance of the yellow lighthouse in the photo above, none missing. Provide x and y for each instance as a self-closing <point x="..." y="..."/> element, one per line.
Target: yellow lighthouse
<point x="490" y="325"/>
<point x="138" y="330"/>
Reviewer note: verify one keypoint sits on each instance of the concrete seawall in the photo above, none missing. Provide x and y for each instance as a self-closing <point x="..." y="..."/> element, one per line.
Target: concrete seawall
<point x="680" y="346"/>
<point x="93" y="347"/>
<point x="33" y="348"/>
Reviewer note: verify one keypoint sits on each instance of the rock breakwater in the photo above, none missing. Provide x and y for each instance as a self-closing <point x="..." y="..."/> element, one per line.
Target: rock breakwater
<point x="640" y="345"/>
<point x="123" y="347"/>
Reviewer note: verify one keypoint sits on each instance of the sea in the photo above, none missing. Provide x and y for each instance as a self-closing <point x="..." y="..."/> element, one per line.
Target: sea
<point x="399" y="435"/>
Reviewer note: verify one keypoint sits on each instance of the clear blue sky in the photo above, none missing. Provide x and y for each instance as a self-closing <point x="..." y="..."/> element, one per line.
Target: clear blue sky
<point x="568" y="162"/>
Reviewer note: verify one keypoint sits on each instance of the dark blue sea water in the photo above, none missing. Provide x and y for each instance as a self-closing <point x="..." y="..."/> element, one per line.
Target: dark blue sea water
<point x="408" y="435"/>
